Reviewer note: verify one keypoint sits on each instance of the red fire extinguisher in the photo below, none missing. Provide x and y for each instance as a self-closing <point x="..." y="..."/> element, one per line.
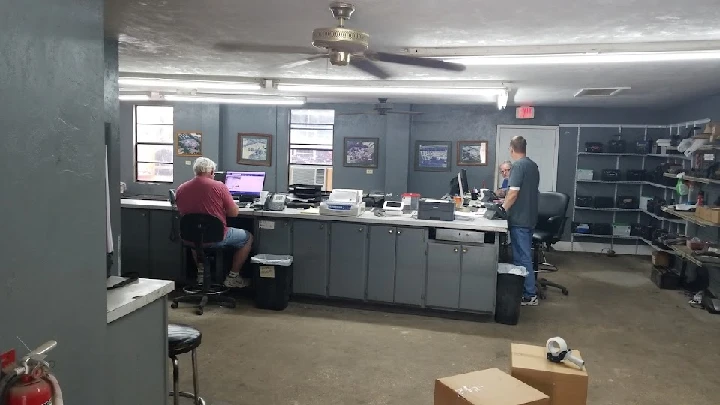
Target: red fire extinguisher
<point x="29" y="382"/>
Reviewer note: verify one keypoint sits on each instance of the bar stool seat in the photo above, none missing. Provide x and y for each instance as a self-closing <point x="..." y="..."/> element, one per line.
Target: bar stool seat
<point x="183" y="339"/>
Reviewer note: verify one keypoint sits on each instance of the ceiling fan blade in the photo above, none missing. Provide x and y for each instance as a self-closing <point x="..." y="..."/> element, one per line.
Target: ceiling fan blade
<point x="369" y="67"/>
<point x="304" y="61"/>
<point x="258" y="48"/>
<point x="414" y="61"/>
<point x="405" y="112"/>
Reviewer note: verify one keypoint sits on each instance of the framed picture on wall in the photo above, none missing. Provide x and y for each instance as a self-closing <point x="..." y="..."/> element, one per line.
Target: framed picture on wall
<point x="188" y="143"/>
<point x="254" y="149"/>
<point x="472" y="153"/>
<point x="361" y="152"/>
<point x="432" y="156"/>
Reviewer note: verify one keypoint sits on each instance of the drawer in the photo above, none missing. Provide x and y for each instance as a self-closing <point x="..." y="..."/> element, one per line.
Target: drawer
<point x="455" y="235"/>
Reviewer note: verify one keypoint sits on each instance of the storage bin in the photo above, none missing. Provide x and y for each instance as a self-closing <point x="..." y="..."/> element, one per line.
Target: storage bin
<point x="584" y="174"/>
<point x="621" y="230"/>
<point x="509" y="291"/>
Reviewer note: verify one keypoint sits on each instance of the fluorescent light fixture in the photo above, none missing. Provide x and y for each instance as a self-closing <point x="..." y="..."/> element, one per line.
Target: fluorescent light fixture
<point x="147" y="83"/>
<point x="502" y="100"/>
<point x="247" y="99"/>
<point x="395" y="90"/>
<point x="134" y="97"/>
<point x="584" y="58"/>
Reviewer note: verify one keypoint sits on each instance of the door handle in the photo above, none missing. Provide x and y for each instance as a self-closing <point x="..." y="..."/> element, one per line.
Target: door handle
<point x="322" y="226"/>
<point x="464" y="250"/>
<point x="360" y="229"/>
<point x="455" y="250"/>
<point x="390" y="231"/>
<point x="399" y="232"/>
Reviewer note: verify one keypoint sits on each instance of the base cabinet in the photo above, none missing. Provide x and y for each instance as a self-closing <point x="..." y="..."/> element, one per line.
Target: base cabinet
<point x="381" y="263"/>
<point x="348" y="260"/>
<point x="310" y="257"/>
<point x="410" y="265"/>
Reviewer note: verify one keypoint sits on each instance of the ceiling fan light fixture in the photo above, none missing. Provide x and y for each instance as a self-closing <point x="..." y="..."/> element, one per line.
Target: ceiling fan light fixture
<point x="584" y="58"/>
<point x="391" y="90"/>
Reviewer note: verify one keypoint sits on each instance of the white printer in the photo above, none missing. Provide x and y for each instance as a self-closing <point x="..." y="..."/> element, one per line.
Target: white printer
<point x="343" y="202"/>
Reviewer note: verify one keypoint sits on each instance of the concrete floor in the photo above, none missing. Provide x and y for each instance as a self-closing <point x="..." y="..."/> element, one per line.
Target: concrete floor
<point x="642" y="345"/>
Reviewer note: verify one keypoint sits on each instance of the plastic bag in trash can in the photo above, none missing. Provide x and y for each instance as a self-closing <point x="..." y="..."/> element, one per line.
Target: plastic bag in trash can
<point x="273" y="260"/>
<point x="507" y="268"/>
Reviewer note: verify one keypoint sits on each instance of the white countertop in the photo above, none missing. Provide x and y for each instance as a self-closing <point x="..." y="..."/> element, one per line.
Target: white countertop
<point x="478" y="224"/>
<point x="125" y="300"/>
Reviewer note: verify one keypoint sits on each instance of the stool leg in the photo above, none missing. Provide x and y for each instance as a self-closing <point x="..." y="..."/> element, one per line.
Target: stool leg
<point x="176" y="375"/>
<point x="195" y="379"/>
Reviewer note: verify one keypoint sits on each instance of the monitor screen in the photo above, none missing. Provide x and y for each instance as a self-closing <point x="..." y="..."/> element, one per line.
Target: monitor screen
<point x="245" y="183"/>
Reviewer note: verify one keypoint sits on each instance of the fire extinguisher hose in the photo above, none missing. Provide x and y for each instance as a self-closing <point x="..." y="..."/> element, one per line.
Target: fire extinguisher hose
<point x="7" y="381"/>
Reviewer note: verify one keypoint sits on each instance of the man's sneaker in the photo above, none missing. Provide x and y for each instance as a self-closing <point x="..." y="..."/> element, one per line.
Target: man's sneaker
<point x="234" y="280"/>
<point x="530" y="301"/>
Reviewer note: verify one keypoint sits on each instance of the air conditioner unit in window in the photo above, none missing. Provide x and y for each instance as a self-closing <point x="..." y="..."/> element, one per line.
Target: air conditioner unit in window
<point x="319" y="176"/>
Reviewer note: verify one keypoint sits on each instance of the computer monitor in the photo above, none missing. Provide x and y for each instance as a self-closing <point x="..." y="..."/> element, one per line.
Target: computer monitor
<point x="245" y="184"/>
<point x="459" y="184"/>
<point x="220" y="176"/>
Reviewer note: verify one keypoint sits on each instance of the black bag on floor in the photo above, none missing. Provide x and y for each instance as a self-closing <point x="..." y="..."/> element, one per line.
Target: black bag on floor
<point x="628" y="202"/>
<point x="583" y="201"/>
<point x="610" y="175"/>
<point x="601" y="229"/>
<point x="593" y="147"/>
<point x="603" y="202"/>
<point x="635" y="175"/>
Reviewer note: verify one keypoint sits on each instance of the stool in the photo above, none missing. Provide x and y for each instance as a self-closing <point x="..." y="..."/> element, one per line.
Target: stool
<point x="183" y="339"/>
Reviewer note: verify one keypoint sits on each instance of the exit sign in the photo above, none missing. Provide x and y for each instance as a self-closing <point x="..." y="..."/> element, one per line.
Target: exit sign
<point x="525" y="113"/>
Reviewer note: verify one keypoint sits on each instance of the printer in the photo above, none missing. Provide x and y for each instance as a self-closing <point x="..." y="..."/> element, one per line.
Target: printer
<point x="439" y="210"/>
<point x="343" y="202"/>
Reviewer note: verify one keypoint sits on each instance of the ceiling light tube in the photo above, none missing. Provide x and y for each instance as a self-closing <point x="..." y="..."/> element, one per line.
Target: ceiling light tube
<point x="256" y="100"/>
<point x="502" y="100"/>
<point x="394" y="90"/>
<point x="147" y="83"/>
<point x="134" y="97"/>
<point x="584" y="58"/>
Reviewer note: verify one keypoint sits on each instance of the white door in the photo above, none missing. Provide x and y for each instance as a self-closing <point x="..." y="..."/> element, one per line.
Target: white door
<point x="542" y="148"/>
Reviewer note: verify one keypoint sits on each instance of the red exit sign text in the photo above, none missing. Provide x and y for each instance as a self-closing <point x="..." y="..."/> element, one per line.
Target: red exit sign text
<point x="525" y="113"/>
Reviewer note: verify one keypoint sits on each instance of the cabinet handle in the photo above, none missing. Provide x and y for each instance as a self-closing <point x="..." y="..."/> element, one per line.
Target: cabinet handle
<point x="322" y="226"/>
<point x="455" y="250"/>
<point x="399" y="232"/>
<point x="390" y="231"/>
<point x="360" y="229"/>
<point x="464" y="250"/>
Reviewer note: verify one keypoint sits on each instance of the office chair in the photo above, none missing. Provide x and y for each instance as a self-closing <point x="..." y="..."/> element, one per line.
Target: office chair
<point x="552" y="209"/>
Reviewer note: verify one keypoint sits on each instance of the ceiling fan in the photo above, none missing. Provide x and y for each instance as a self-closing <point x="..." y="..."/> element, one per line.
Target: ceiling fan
<point x="383" y="108"/>
<point x="343" y="46"/>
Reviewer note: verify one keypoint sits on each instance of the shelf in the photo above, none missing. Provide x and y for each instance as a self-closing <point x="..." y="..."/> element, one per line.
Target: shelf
<point x="611" y="182"/>
<point x="649" y="183"/>
<point x="675" y="221"/>
<point x="608" y="209"/>
<point x="689" y="217"/>
<point x="685" y="252"/>
<point x="660" y="155"/>
<point x="654" y="247"/>
<point x="609" y="154"/>
<point x="693" y="179"/>
<point x="590" y="235"/>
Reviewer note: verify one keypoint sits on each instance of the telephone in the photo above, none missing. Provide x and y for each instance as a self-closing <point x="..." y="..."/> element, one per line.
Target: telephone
<point x="275" y="202"/>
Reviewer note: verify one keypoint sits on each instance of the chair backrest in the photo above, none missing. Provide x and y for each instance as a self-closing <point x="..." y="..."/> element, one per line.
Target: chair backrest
<point x="552" y="213"/>
<point x="171" y="196"/>
<point x="201" y="229"/>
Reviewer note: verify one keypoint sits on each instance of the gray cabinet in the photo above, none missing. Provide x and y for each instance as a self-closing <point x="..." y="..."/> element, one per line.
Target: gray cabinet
<point x="274" y="236"/>
<point x="135" y="241"/>
<point x="165" y="253"/>
<point x="410" y="265"/>
<point x="381" y="263"/>
<point x="310" y="240"/>
<point x="348" y="260"/>
<point x="443" y="275"/>
<point x="478" y="277"/>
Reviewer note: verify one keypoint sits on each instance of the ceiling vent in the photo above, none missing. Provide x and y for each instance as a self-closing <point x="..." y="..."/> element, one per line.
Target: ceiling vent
<point x="601" y="92"/>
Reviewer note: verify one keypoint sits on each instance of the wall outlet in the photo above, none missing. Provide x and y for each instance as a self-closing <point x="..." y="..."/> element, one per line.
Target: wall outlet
<point x="188" y="163"/>
<point x="368" y="171"/>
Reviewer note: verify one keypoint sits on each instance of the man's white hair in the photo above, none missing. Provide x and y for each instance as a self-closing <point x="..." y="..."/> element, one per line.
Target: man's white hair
<point x="204" y="165"/>
<point x="506" y="163"/>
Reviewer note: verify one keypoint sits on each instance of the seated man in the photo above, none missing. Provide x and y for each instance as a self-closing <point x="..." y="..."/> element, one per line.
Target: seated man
<point x="505" y="168"/>
<point x="203" y="195"/>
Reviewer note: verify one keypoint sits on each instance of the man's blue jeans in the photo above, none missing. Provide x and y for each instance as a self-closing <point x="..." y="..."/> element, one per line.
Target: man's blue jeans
<point x="521" y="242"/>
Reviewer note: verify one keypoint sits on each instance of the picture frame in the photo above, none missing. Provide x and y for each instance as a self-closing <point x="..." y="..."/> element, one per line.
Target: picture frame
<point x="433" y="156"/>
<point x="254" y="149"/>
<point x="360" y="152"/>
<point x="472" y="153"/>
<point x="188" y="143"/>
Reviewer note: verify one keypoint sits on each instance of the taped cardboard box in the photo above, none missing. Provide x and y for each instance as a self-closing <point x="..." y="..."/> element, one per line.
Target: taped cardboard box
<point x="564" y="383"/>
<point x="487" y="387"/>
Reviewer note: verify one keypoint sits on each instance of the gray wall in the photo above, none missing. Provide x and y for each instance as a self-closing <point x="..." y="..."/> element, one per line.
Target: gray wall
<point x="53" y="194"/>
<point x="112" y="116"/>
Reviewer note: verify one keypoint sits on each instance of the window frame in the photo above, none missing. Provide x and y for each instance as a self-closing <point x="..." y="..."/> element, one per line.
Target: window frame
<point x="136" y="143"/>
<point x="310" y="147"/>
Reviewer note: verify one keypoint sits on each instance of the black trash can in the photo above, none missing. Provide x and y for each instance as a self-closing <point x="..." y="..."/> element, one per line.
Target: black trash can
<point x="508" y="295"/>
<point x="272" y="278"/>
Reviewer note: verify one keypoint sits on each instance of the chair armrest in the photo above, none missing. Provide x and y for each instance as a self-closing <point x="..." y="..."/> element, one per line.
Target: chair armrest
<point x="557" y="224"/>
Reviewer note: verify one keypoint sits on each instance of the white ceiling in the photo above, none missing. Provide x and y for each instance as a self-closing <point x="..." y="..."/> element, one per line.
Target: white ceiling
<point x="177" y="37"/>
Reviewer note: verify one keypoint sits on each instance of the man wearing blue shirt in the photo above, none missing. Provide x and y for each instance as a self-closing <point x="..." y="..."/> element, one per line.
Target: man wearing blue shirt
<point x="505" y="168"/>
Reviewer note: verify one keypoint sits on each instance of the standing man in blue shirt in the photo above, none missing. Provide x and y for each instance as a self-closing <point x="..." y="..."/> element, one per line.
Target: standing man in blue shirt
<point x="505" y="168"/>
<point x="521" y="204"/>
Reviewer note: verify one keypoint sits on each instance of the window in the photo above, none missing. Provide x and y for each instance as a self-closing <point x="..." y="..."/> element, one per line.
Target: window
<point x="311" y="146"/>
<point x="154" y="144"/>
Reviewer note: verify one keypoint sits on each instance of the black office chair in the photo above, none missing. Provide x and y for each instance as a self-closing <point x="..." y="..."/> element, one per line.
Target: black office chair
<point x="552" y="209"/>
<point x="197" y="230"/>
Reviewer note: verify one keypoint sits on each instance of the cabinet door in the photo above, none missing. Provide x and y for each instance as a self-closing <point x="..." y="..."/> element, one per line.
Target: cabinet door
<point x="443" y="275"/>
<point x="135" y="241"/>
<point x="478" y="278"/>
<point x="410" y="265"/>
<point x="274" y="236"/>
<point x="310" y="257"/>
<point x="165" y="254"/>
<point x="381" y="263"/>
<point x="348" y="260"/>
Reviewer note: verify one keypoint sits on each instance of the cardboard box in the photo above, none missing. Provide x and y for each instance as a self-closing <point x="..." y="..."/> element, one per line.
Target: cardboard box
<point x="710" y="214"/>
<point x="487" y="387"/>
<point x="564" y="383"/>
<point x="661" y="259"/>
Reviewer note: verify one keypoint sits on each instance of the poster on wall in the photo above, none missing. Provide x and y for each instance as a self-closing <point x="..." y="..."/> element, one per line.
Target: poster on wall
<point x="472" y="153"/>
<point x="188" y="143"/>
<point x="432" y="156"/>
<point x="361" y="152"/>
<point x="254" y="149"/>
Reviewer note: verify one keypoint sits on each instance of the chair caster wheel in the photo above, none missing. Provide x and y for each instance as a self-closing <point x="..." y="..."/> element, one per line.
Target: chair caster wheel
<point x="565" y="292"/>
<point x="199" y="311"/>
<point x="174" y="305"/>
